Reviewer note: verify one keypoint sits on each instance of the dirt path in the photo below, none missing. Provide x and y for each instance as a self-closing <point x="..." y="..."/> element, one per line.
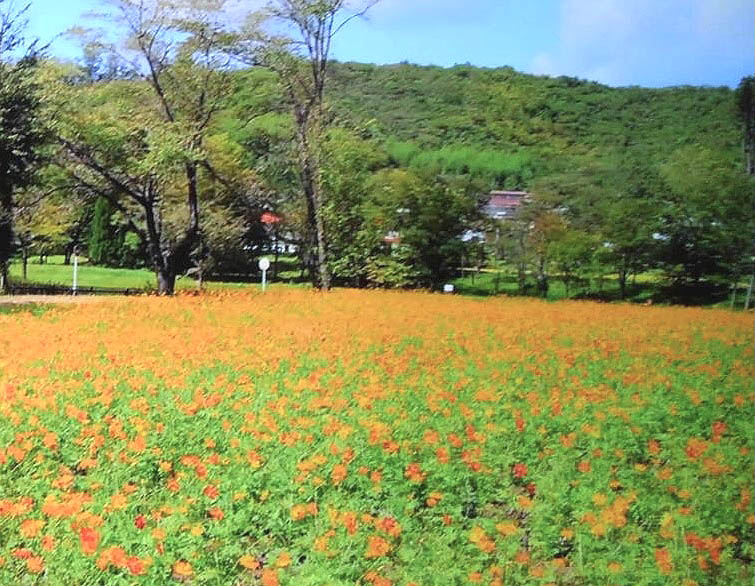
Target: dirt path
<point x="60" y="299"/>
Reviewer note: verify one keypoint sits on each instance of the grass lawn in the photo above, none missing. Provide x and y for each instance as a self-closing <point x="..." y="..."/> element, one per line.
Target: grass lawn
<point x="55" y="272"/>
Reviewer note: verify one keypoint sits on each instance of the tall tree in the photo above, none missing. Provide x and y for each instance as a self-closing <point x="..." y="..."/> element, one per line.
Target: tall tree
<point x="746" y="110"/>
<point x="21" y="131"/>
<point x="147" y="160"/>
<point x="301" y="60"/>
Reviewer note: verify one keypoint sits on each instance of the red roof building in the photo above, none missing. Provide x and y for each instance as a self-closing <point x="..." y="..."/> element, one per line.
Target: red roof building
<point x="504" y="205"/>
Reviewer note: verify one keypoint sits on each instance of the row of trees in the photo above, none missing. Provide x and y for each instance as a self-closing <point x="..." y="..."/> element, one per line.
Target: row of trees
<point x="690" y="218"/>
<point x="177" y="133"/>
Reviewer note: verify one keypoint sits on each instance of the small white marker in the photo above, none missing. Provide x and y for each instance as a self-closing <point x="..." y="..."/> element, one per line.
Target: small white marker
<point x="264" y="264"/>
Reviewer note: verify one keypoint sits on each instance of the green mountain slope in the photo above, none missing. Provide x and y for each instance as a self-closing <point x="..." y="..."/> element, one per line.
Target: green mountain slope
<point x="513" y="127"/>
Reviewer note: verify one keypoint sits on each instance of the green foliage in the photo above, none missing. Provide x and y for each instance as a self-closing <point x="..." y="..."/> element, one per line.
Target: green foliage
<point x="103" y="241"/>
<point x="22" y="131"/>
<point x="510" y="170"/>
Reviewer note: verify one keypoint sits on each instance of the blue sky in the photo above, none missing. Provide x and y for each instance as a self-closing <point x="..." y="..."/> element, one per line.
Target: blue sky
<point x="618" y="42"/>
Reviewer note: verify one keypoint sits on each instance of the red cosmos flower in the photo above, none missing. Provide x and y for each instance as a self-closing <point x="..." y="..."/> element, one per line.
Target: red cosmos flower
<point x="216" y="513"/>
<point x="22" y="553"/>
<point x="211" y="491"/>
<point x="136" y="566"/>
<point x="90" y="539"/>
<point x="140" y="522"/>
<point x="718" y="429"/>
<point x="520" y="470"/>
<point x="389" y="525"/>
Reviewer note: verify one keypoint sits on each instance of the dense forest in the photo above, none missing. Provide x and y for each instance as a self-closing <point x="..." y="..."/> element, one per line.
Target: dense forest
<point x="193" y="167"/>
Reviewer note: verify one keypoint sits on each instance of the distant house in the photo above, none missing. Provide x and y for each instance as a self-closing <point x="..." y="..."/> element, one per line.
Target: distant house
<point x="393" y="238"/>
<point x="504" y="205"/>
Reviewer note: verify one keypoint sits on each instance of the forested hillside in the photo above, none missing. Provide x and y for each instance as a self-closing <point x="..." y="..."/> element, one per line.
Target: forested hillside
<point x="508" y="125"/>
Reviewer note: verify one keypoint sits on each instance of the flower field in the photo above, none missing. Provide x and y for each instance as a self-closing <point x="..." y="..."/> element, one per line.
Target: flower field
<point x="375" y="438"/>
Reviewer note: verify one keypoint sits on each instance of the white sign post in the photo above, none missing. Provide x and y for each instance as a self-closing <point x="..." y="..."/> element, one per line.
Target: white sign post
<point x="75" y="270"/>
<point x="264" y="264"/>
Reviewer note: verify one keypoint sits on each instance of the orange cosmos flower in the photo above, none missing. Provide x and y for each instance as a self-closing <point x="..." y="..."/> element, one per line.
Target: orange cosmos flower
<point x="696" y="447"/>
<point x="182" y="570"/>
<point x="377" y="580"/>
<point x="31" y="527"/>
<point x="269" y="577"/>
<point x="522" y="557"/>
<point x="506" y="528"/>
<point x="481" y="539"/>
<point x="283" y="560"/>
<point x="433" y="499"/>
<point x="349" y="521"/>
<point x="338" y="474"/>
<point x="299" y="512"/>
<point x="35" y="565"/>
<point x="48" y="543"/>
<point x="113" y="555"/>
<point x="376" y="547"/>
<point x="249" y="562"/>
<point x="414" y="473"/>
<point x="663" y="561"/>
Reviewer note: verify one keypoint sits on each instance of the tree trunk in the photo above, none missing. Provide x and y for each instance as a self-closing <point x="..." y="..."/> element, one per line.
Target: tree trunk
<point x="749" y="291"/>
<point x="542" y="278"/>
<point x="277" y="254"/>
<point x="25" y="262"/>
<point x="734" y="288"/>
<point x="623" y="278"/>
<point x="321" y="254"/>
<point x="166" y="281"/>
<point x="6" y="232"/>
<point x="310" y="184"/>
<point x="4" y="283"/>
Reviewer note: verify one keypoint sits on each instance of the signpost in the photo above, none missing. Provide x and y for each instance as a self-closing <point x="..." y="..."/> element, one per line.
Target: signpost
<point x="75" y="269"/>
<point x="264" y="264"/>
